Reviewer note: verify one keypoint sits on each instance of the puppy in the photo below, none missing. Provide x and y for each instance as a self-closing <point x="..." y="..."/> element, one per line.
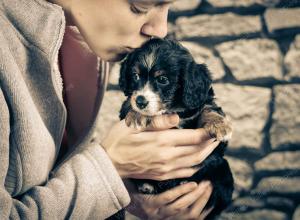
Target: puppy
<point x="162" y="77"/>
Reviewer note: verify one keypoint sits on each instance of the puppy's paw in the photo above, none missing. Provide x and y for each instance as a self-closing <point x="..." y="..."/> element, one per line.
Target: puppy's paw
<point x="218" y="127"/>
<point x="137" y="121"/>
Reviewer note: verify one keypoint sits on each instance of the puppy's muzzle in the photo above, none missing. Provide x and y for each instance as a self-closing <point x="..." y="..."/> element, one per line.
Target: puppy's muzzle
<point x="141" y="102"/>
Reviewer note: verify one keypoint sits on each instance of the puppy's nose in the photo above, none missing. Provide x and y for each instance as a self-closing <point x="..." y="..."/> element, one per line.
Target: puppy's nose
<point x="141" y="102"/>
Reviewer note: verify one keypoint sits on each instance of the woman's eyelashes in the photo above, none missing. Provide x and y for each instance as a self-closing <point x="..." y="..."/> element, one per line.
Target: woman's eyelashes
<point x="138" y="9"/>
<point x="141" y="9"/>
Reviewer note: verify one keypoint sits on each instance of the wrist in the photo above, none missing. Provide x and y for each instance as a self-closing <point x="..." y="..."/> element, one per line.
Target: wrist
<point x="116" y="164"/>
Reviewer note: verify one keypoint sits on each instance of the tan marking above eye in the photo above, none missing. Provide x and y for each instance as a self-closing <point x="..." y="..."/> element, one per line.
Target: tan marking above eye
<point x="136" y="70"/>
<point x="158" y="73"/>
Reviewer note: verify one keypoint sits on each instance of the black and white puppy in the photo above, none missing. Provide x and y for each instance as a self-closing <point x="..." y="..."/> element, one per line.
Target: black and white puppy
<point x="162" y="77"/>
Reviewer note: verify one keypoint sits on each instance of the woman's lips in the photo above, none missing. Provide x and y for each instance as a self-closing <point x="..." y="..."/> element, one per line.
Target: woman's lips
<point x="129" y="49"/>
<point x="123" y="52"/>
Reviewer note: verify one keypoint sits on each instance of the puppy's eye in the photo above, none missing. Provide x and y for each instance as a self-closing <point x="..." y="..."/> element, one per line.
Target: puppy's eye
<point x="136" y="77"/>
<point x="163" y="80"/>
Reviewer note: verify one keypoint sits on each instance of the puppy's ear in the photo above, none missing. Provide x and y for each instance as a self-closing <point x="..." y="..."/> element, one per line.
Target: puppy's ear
<point x="124" y="77"/>
<point x="197" y="82"/>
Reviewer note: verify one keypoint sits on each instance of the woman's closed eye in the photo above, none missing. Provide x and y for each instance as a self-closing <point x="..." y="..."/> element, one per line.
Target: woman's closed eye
<point x="142" y="8"/>
<point x="138" y="9"/>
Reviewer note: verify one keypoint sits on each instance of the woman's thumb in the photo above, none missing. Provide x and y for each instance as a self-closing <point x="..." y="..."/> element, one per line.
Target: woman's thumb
<point x="163" y="122"/>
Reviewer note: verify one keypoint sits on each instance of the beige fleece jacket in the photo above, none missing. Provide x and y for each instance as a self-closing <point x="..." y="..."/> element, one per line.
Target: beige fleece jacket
<point x="32" y="120"/>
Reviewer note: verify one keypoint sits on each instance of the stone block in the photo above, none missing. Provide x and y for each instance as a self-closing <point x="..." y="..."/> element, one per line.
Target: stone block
<point x="280" y="19"/>
<point x="252" y="59"/>
<point x="204" y="55"/>
<point x="185" y="5"/>
<point x="242" y="173"/>
<point x="277" y="161"/>
<point x="109" y="113"/>
<point x="263" y="214"/>
<point x="242" y="3"/>
<point x="285" y="127"/>
<point x="248" y="109"/>
<point x="279" y="185"/>
<point x="292" y="60"/>
<point x="223" y="25"/>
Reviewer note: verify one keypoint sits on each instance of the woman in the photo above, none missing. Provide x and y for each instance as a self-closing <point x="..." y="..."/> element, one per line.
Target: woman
<point x="50" y="87"/>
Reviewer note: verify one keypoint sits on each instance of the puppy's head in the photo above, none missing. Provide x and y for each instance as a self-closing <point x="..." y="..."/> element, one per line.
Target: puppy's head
<point x="162" y="76"/>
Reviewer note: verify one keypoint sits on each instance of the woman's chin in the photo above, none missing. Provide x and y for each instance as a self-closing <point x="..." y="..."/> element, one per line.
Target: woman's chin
<point x="116" y="57"/>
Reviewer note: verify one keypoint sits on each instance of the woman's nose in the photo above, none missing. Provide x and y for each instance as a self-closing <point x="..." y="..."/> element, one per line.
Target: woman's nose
<point x="157" y="25"/>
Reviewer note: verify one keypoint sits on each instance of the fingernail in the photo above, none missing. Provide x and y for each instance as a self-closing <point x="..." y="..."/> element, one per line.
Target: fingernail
<point x="174" y="119"/>
<point x="213" y="140"/>
<point x="204" y="184"/>
<point x="192" y="185"/>
<point x="210" y="140"/>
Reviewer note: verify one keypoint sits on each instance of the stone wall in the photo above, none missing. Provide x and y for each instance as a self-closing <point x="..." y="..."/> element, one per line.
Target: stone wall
<point x="253" y="49"/>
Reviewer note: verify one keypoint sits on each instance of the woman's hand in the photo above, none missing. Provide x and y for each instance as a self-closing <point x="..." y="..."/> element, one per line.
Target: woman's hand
<point x="186" y="201"/>
<point x="157" y="153"/>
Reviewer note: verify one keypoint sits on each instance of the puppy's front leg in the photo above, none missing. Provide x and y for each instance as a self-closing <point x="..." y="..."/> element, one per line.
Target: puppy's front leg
<point x="136" y="120"/>
<point x="214" y="121"/>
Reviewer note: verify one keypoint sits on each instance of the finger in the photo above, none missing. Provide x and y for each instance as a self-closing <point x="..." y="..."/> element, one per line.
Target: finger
<point x="186" y="215"/>
<point x="180" y="137"/>
<point x="173" y="153"/>
<point x="181" y="151"/>
<point x="205" y="213"/>
<point x="175" y="174"/>
<point x="185" y="201"/>
<point x="199" y="205"/>
<point x="185" y="150"/>
<point x="196" y="158"/>
<point x="163" y="122"/>
<point x="122" y="127"/>
<point x="172" y="194"/>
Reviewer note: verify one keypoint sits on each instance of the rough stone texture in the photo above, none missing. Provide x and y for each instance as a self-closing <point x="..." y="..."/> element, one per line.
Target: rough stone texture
<point x="248" y="109"/>
<point x="286" y="117"/>
<point x="263" y="214"/>
<point x="252" y="59"/>
<point x="242" y="173"/>
<point x="109" y="113"/>
<point x="279" y="161"/>
<point x="171" y="29"/>
<point x="280" y="185"/>
<point x="223" y="25"/>
<point x="278" y="19"/>
<point x="292" y="59"/>
<point x="245" y="202"/>
<point x="242" y="3"/>
<point x="296" y="215"/>
<point x="204" y="55"/>
<point x="280" y="202"/>
<point x="185" y="5"/>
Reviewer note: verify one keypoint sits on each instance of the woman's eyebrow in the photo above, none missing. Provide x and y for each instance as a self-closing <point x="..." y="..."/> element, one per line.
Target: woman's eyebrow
<point x="151" y="2"/>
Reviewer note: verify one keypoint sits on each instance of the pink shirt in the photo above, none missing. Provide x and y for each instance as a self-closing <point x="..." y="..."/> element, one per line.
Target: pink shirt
<point x="79" y="67"/>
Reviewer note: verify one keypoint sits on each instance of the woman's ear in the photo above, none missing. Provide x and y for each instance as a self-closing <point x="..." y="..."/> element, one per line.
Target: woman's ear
<point x="197" y="82"/>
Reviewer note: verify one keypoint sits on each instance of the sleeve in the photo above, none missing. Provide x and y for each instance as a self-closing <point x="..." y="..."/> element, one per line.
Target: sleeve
<point x="84" y="186"/>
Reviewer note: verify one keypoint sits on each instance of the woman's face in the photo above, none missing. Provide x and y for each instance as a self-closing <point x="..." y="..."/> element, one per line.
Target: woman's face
<point x="112" y="28"/>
